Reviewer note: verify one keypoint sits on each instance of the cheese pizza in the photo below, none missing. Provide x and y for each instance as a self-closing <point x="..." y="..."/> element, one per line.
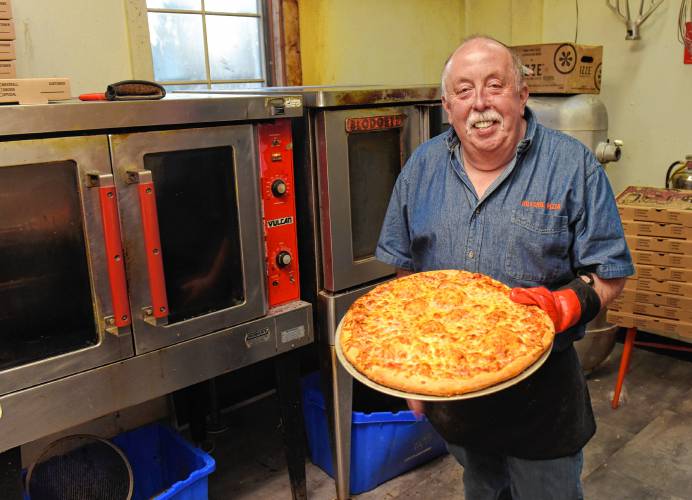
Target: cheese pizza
<point x="443" y="333"/>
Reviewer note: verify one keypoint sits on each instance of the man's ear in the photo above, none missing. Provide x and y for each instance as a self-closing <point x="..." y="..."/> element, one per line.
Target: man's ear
<point x="445" y="105"/>
<point x="524" y="96"/>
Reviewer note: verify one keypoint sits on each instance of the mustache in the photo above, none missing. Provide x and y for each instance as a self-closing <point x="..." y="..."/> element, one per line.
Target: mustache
<point x="489" y="115"/>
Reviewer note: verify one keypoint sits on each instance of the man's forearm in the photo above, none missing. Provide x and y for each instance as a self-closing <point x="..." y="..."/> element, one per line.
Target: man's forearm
<point x="607" y="290"/>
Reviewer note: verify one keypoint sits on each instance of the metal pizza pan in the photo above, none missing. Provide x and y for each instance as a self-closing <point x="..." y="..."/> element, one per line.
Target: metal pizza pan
<point x="426" y="397"/>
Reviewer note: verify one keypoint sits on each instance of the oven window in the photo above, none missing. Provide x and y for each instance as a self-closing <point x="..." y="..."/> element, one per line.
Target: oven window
<point x="45" y="291"/>
<point x="200" y="235"/>
<point x="374" y="161"/>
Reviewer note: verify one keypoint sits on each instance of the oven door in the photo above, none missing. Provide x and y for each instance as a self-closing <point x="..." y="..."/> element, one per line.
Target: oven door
<point x="57" y="286"/>
<point x="192" y="231"/>
<point x="360" y="153"/>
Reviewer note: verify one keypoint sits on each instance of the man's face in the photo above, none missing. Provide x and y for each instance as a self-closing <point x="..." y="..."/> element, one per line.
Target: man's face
<point x="482" y="100"/>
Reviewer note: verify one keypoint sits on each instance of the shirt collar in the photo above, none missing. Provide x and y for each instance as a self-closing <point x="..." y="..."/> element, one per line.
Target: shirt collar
<point x="452" y="140"/>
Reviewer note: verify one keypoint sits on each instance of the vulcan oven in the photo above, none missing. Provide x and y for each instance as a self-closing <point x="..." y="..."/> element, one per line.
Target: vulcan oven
<point x="350" y="148"/>
<point x="160" y="235"/>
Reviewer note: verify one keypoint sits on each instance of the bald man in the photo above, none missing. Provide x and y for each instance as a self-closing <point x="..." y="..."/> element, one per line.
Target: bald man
<point x="501" y="195"/>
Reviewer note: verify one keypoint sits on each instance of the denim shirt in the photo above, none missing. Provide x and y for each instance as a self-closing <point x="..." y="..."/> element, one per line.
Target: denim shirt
<point x="549" y="214"/>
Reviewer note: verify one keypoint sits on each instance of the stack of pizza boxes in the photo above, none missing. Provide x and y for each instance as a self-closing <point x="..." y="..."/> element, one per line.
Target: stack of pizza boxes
<point x="658" y="229"/>
<point x="7" y="36"/>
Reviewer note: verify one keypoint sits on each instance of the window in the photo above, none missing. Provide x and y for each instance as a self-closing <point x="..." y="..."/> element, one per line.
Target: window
<point x="202" y="44"/>
<point x="215" y="44"/>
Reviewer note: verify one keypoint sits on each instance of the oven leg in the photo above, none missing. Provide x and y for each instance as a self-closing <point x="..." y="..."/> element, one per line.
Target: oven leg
<point x="339" y="399"/>
<point x="292" y="426"/>
<point x="11" y="474"/>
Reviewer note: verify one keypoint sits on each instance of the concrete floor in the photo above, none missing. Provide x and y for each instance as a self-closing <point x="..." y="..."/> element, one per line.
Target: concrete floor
<point x="643" y="450"/>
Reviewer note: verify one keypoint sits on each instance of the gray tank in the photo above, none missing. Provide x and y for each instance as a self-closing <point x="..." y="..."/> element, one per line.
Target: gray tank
<point x="585" y="118"/>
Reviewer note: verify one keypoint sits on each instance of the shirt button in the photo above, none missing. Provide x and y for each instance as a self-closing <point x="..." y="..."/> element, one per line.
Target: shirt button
<point x="471" y="254"/>
<point x="478" y="211"/>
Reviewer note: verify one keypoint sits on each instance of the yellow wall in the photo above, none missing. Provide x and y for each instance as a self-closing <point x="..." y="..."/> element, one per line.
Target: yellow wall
<point x="85" y="40"/>
<point x="512" y="22"/>
<point x="377" y="42"/>
<point x="645" y="85"/>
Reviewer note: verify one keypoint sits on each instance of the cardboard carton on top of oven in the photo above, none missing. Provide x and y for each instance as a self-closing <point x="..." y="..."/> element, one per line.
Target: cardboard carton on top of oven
<point x="562" y="68"/>
<point x="652" y="204"/>
<point x="34" y="90"/>
<point x="7" y="29"/>
<point x="7" y="51"/>
<point x="7" y="70"/>
<point x="5" y="9"/>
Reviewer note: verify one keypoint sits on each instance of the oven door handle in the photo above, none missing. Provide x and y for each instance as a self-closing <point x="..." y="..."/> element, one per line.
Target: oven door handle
<point x="114" y="250"/>
<point x="152" y="245"/>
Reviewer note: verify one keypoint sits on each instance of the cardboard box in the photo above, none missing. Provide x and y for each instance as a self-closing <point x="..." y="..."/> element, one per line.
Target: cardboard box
<point x="661" y="299"/>
<point x="659" y="244"/>
<point x="651" y="285"/>
<point x="672" y="206"/>
<point x="680" y="330"/>
<point x="7" y="29"/>
<point x="656" y="229"/>
<point x="651" y="310"/>
<point x="5" y="9"/>
<point x="562" y="68"/>
<point x="8" y="69"/>
<point x="34" y="90"/>
<point x="661" y="259"/>
<point x="7" y="50"/>
<point x="663" y="273"/>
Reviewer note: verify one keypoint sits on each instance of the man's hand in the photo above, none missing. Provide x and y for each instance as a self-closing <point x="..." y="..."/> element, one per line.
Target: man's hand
<point x="563" y="306"/>
<point x="417" y="407"/>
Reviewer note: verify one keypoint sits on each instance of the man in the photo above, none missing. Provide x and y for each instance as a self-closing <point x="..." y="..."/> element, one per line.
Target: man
<point x="531" y="207"/>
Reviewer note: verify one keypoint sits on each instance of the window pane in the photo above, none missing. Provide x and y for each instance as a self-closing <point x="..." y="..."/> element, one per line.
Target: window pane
<point x="237" y="6"/>
<point x="193" y="86"/>
<point x="175" y="4"/>
<point x="234" y="50"/>
<point x="246" y="85"/>
<point x="177" y="46"/>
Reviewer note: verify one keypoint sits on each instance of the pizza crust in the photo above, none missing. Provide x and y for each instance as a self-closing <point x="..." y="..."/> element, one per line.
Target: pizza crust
<point x="465" y="336"/>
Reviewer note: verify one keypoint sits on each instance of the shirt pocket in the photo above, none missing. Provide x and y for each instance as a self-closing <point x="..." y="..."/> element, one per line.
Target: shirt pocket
<point x="538" y="247"/>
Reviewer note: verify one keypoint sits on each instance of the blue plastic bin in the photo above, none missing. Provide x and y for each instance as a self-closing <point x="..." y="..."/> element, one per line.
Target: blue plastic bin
<point x="164" y="465"/>
<point x="383" y="444"/>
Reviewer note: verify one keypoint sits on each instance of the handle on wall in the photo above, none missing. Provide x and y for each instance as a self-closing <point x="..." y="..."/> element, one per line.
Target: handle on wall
<point x="152" y="242"/>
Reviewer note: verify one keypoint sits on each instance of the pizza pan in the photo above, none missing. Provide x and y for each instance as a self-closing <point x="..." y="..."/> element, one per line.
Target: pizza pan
<point x="426" y="397"/>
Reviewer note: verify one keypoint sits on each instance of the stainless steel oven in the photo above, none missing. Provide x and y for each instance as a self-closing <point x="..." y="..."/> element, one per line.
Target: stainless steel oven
<point x="146" y="246"/>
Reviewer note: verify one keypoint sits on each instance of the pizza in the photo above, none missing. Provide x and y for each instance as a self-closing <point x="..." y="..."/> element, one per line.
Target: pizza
<point x="443" y="333"/>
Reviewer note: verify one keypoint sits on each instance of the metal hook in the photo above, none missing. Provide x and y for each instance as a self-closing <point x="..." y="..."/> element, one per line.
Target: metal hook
<point x="632" y="24"/>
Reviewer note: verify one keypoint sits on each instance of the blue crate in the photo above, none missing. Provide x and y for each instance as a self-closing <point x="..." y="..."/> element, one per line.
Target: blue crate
<point x="164" y="465"/>
<point x="383" y="444"/>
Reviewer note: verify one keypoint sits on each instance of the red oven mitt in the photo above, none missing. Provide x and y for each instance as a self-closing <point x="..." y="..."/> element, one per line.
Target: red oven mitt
<point x="562" y="306"/>
<point x="573" y="304"/>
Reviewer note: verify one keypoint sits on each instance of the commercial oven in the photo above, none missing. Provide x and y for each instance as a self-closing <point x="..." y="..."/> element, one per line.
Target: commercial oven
<point x="350" y="147"/>
<point x="145" y="247"/>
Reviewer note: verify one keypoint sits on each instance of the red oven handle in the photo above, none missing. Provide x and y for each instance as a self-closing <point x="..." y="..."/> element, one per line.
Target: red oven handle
<point x="152" y="246"/>
<point x="114" y="255"/>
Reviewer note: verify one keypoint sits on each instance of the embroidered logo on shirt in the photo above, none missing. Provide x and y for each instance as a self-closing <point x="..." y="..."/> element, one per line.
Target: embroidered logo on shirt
<point x="541" y="204"/>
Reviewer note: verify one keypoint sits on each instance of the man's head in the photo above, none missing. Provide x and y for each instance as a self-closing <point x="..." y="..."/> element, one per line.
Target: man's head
<point x="484" y="95"/>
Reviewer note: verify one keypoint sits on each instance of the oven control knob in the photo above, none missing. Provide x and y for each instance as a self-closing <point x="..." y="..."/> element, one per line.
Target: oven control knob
<point x="279" y="187"/>
<point x="283" y="259"/>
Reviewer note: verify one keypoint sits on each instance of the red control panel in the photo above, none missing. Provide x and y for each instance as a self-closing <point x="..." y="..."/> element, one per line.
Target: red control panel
<point x="278" y="201"/>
